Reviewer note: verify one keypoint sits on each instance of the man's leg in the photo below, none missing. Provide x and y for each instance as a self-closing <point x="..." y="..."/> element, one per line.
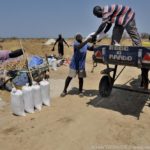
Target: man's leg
<point x="68" y="80"/>
<point x="72" y="74"/>
<point x="80" y="85"/>
<point x="81" y="75"/>
<point x="136" y="40"/>
<point x="133" y="33"/>
<point x="117" y="34"/>
<point x="145" y="80"/>
<point x="61" y="51"/>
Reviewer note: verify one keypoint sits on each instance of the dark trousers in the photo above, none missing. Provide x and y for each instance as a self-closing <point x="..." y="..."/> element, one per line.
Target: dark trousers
<point x="61" y="50"/>
<point x="136" y="40"/>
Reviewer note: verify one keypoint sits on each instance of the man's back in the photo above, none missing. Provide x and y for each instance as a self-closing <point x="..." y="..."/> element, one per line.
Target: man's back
<point x="119" y="13"/>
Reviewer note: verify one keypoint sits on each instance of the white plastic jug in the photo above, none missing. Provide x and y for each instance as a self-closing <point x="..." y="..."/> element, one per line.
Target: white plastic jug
<point x="45" y="92"/>
<point x="54" y="64"/>
<point x="37" y="98"/>
<point x="28" y="99"/>
<point x="17" y="104"/>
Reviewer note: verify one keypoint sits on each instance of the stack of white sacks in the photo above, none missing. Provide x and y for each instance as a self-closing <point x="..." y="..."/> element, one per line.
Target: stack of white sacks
<point x="30" y="98"/>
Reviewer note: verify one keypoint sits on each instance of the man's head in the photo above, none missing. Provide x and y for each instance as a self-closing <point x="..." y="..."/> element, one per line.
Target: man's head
<point x="97" y="11"/>
<point x="59" y="36"/>
<point x="79" y="38"/>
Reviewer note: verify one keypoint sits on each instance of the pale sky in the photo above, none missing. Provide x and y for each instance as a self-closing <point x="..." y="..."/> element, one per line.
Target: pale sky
<point x="48" y="18"/>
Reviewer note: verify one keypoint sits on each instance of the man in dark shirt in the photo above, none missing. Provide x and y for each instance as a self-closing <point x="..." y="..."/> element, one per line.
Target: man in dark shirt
<point x="77" y="65"/>
<point x="60" y="40"/>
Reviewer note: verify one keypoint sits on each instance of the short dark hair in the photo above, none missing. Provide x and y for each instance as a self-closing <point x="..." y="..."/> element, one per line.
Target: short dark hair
<point x="97" y="9"/>
<point x="77" y="36"/>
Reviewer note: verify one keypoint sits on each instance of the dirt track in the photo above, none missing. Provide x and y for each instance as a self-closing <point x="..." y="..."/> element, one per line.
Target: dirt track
<point x="73" y="123"/>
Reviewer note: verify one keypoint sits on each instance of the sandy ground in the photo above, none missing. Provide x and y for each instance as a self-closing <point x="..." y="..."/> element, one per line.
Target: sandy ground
<point x="72" y="123"/>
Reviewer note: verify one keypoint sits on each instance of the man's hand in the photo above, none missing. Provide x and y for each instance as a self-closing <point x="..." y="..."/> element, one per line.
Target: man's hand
<point x="94" y="38"/>
<point x="89" y="40"/>
<point x="89" y="37"/>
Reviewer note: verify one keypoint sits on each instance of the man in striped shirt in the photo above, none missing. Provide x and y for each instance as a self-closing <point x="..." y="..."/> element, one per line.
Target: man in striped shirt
<point x="124" y="19"/>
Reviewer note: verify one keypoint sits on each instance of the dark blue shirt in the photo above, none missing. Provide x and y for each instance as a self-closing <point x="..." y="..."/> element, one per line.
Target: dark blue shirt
<point x="79" y="57"/>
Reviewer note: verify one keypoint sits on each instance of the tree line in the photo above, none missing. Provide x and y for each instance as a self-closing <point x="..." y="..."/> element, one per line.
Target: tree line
<point x="142" y="35"/>
<point x="145" y="36"/>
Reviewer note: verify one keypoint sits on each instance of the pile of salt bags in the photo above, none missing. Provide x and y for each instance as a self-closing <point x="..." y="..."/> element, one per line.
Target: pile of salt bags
<point x="30" y="98"/>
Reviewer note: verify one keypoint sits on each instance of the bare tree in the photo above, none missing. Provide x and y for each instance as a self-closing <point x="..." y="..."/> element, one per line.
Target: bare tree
<point x="145" y="35"/>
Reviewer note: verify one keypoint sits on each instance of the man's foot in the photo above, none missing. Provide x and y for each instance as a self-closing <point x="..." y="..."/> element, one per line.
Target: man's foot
<point x="146" y="87"/>
<point x="81" y="94"/>
<point x="63" y="94"/>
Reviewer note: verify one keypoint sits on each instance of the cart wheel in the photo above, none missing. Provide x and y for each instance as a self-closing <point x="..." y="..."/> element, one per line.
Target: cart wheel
<point x="105" y="86"/>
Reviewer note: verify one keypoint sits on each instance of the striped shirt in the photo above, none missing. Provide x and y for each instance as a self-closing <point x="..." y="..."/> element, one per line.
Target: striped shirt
<point x="119" y="14"/>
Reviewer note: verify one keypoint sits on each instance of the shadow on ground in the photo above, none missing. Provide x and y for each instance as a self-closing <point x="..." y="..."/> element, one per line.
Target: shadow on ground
<point x="126" y="103"/>
<point x="87" y="93"/>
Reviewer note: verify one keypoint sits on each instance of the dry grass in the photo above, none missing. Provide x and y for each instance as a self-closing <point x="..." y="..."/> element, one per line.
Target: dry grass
<point x="35" y="46"/>
<point x="146" y="43"/>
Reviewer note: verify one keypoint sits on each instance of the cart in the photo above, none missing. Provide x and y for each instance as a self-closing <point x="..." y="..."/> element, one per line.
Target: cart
<point x="119" y="55"/>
